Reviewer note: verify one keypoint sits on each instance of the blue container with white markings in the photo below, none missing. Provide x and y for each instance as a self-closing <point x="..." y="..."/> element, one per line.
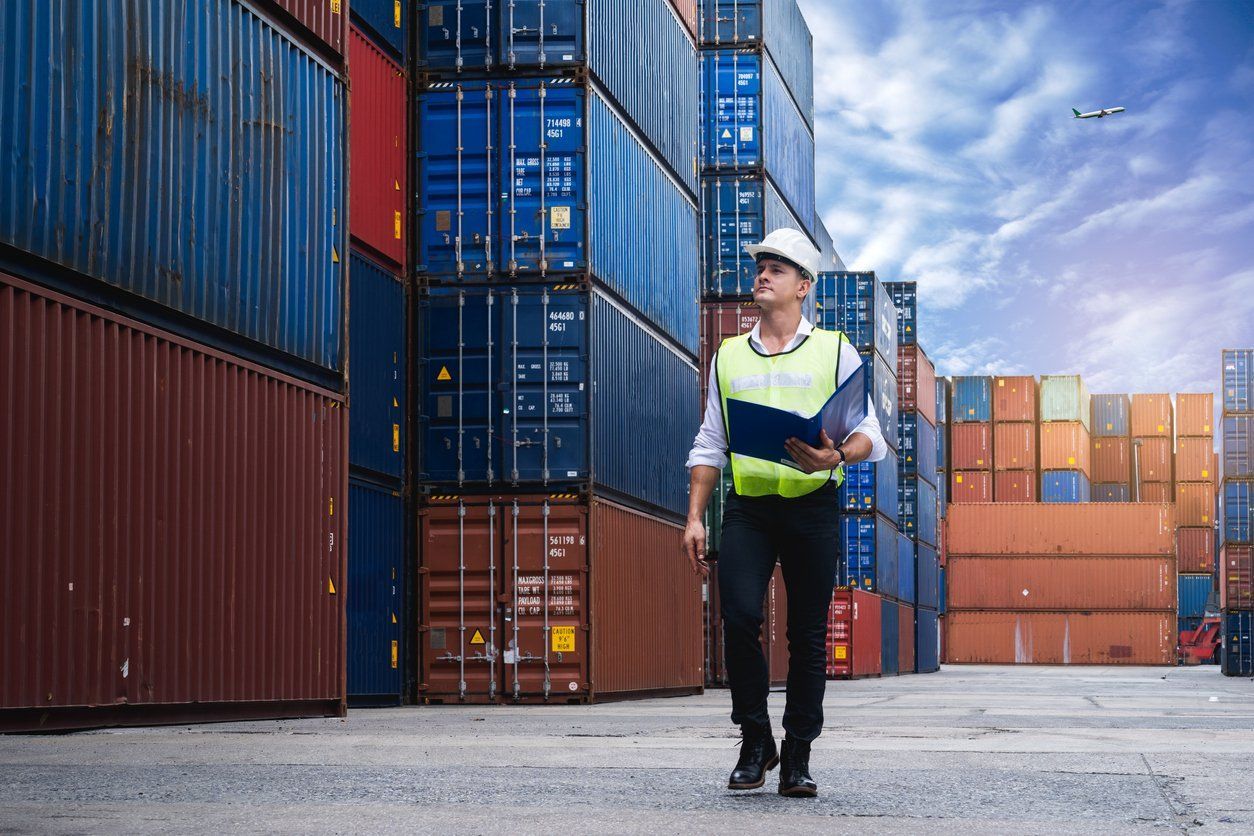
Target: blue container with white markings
<point x="1238" y="372"/>
<point x="859" y="305"/>
<point x="1235" y="500"/>
<point x="881" y="385"/>
<point x="917" y="439"/>
<point x="906" y="587"/>
<point x="1110" y="415"/>
<point x="738" y="209"/>
<point x="871" y="487"/>
<point x="1110" y="492"/>
<point x="927" y="575"/>
<point x="1194" y="590"/>
<point x="869" y="547"/>
<point x="906" y="299"/>
<point x="1064" y="486"/>
<point x="926" y="641"/>
<point x="376" y="386"/>
<point x="972" y="399"/>
<point x="375" y="589"/>
<point x="1238" y="644"/>
<point x="1238" y="447"/>
<point x="916" y="509"/>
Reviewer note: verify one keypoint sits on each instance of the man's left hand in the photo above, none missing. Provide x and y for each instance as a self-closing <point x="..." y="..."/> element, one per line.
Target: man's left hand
<point x="814" y="459"/>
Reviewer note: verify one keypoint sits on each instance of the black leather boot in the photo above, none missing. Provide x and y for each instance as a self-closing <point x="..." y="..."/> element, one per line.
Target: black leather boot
<point x="758" y="756"/>
<point x="794" y="769"/>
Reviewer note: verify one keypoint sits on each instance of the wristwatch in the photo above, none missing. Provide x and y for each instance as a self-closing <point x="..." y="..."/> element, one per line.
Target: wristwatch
<point x="842" y="457"/>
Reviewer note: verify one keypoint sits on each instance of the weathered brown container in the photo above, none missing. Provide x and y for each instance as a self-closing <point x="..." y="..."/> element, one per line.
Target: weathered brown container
<point x="1194" y="458"/>
<point x="1151" y="415"/>
<point x="1111" y="460"/>
<point x="853" y="634"/>
<point x="1195" y="503"/>
<point x="1014" y="446"/>
<point x="971" y="446"/>
<point x="1195" y="414"/>
<point x="1067" y="582"/>
<point x="1156" y="492"/>
<point x="324" y="20"/>
<point x="1236" y="581"/>
<point x="171" y="527"/>
<point x="916" y="382"/>
<point x="1152" y="459"/>
<point x="1195" y="549"/>
<point x="971" y="486"/>
<point x="1014" y="399"/>
<point x="1099" y="528"/>
<point x="532" y="599"/>
<point x="1015" y="486"/>
<point x="1060" y="638"/>
<point x="720" y="320"/>
<point x="1065" y="445"/>
<point x="687" y="12"/>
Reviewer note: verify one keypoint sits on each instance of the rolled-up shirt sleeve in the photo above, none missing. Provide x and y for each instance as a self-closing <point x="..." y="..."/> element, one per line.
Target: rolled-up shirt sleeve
<point x="850" y="359"/>
<point x="710" y="445"/>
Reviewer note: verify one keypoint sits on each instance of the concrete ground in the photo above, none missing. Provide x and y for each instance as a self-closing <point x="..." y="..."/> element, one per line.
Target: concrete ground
<point x="968" y="750"/>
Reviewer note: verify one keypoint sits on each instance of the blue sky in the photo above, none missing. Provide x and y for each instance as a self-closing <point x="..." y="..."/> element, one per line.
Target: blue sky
<point x="1120" y="248"/>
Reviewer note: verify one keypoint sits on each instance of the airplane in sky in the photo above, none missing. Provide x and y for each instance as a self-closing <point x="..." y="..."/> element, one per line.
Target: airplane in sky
<point x="1106" y="111"/>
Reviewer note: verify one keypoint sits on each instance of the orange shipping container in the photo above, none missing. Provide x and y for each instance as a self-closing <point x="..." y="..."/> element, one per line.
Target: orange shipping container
<point x="1014" y="486"/>
<point x="971" y="446"/>
<point x="1151" y="415"/>
<point x="1195" y="550"/>
<point x="1154" y="459"/>
<point x="1014" y="399"/>
<point x="971" y="485"/>
<point x="1112" y="460"/>
<point x="1060" y="638"/>
<point x="1065" y="446"/>
<point x="1195" y="503"/>
<point x="1098" y="528"/>
<point x="1014" y="446"/>
<point x="1194" y="457"/>
<point x="1156" y="492"/>
<point x="1081" y="582"/>
<point x="1195" y="413"/>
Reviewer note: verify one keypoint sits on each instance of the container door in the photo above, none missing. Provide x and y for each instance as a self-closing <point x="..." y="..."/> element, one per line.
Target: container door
<point x="376" y="555"/>
<point x="456" y="35"/>
<point x="731" y="21"/>
<point x="541" y="34"/>
<point x="733" y="94"/>
<point x="733" y="217"/>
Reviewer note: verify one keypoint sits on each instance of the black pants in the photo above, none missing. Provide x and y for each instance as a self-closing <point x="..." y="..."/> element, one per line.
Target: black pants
<point x="803" y="534"/>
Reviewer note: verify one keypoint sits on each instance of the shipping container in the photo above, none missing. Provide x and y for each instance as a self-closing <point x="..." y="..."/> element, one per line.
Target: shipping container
<point x="1014" y="445"/>
<point x="829" y="259"/>
<point x="972" y="400"/>
<point x="905" y="639"/>
<point x="1155" y="492"/>
<point x="1111" y="459"/>
<point x="1238" y="646"/>
<point x="942" y="453"/>
<point x="971" y="446"/>
<point x="1194" y="590"/>
<point x="1151" y="459"/>
<point x="775" y="629"/>
<point x="538" y="178"/>
<point x="871" y="487"/>
<point x="740" y="209"/>
<point x="1014" y="486"/>
<point x="387" y="22"/>
<point x="1238" y="372"/>
<point x="376" y="593"/>
<point x="719" y="321"/>
<point x="378" y="151"/>
<point x="213" y="188"/>
<point x="869" y="546"/>
<point x="751" y="123"/>
<point x="714" y="512"/>
<point x="917" y="439"/>
<point x="144" y="517"/>
<point x="1064" y="397"/>
<point x="1238" y="447"/>
<point x="1065" y="486"/>
<point x="999" y="529"/>
<point x="525" y="384"/>
<point x="531" y="599"/>
<point x="1060" y="638"/>
<point x="1110" y="492"/>
<point x="1061" y="582"/>
<point x="906" y="299"/>
<point x="916" y="382"/>
<point x="1195" y="549"/>
<point x="323" y="19"/>
<point x="1235" y="501"/>
<point x="942" y="492"/>
<point x="881" y="386"/>
<point x="916" y="509"/>
<point x="1151" y="415"/>
<point x="1110" y="415"/>
<point x="942" y="400"/>
<point x="377" y="400"/>
<point x="907" y="588"/>
<point x="858" y="305"/>
<point x="1065" y="445"/>
<point x="853" y="635"/>
<point x="890" y="637"/>
<point x="1195" y="503"/>
<point x="927" y="576"/>
<point x="1014" y="398"/>
<point x="927" y="641"/>
<point x="1195" y="414"/>
<point x="1236" y="577"/>
<point x="971" y="486"/>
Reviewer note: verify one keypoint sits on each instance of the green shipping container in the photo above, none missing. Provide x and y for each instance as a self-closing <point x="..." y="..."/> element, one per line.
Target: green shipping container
<point x="1064" y="397"/>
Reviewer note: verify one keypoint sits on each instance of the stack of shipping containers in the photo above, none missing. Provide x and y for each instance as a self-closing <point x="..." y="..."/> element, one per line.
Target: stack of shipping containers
<point x="1236" y="574"/>
<point x="1110" y="461"/>
<point x="546" y="338"/>
<point x="1195" y="506"/>
<point x="1152" y="448"/>
<point x="1064" y="439"/>
<point x="943" y="388"/>
<point x="1014" y="439"/>
<point x="175" y="361"/>
<point x="971" y="440"/>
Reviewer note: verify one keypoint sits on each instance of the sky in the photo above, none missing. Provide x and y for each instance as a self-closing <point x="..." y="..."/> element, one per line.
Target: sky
<point x="1119" y="248"/>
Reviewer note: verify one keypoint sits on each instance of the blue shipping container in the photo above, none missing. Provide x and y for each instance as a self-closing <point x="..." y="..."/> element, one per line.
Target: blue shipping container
<point x="1064" y="486"/>
<point x="738" y="209"/>
<point x="927" y="575"/>
<point x="207" y="177"/>
<point x="907" y="589"/>
<point x="376" y="381"/>
<point x="750" y="122"/>
<point x="926" y="641"/>
<point x="942" y="451"/>
<point x="890" y="641"/>
<point x="881" y="385"/>
<point x="905" y="298"/>
<point x="829" y="259"/>
<point x="869" y="546"/>
<point x="1110" y="415"/>
<point x="1238" y="652"/>
<point x="941" y="595"/>
<point x="942" y="494"/>
<point x="1111" y="492"/>
<point x="532" y="178"/>
<point x="942" y="400"/>
<point x="916" y="509"/>
<point x="491" y="415"/>
<point x="375" y="589"/>
<point x="859" y="305"/>
<point x="972" y="399"/>
<point x="386" y="21"/>
<point x="1238" y="371"/>
<point x="917" y="438"/>
<point x="1235" y="510"/>
<point x="1238" y="447"/>
<point x="870" y="487"/>
<point x="1194" y="590"/>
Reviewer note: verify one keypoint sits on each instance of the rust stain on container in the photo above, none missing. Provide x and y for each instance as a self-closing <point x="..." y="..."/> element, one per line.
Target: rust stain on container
<point x="1154" y="460"/>
<point x="971" y="446"/>
<point x="1195" y="414"/>
<point x="1065" y="638"/>
<point x="1195" y="549"/>
<point x="1151" y="415"/>
<point x="1065" y="445"/>
<point x="1111" y="460"/>
<point x="1194" y="459"/>
<point x="971" y="486"/>
<point x="1014" y="445"/>
<point x="1081" y="582"/>
<point x="1014" y="486"/>
<point x="1102" y="528"/>
<point x="1195" y="503"/>
<point x="173" y="525"/>
<point x="1014" y="399"/>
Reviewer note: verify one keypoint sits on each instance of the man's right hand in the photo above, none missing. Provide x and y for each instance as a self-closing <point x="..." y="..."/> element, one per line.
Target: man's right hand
<point x="694" y="546"/>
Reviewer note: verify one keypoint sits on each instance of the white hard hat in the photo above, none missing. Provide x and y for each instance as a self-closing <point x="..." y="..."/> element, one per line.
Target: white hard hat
<point x="792" y="246"/>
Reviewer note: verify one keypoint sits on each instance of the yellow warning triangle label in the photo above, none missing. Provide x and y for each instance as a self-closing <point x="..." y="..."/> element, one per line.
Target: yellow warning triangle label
<point x="726" y="134"/>
<point x="330" y="586"/>
<point x="396" y="186"/>
<point x="394" y="403"/>
<point x="443" y="375"/>
<point x="335" y="256"/>
<point x="393" y="618"/>
<point x="477" y="638"/>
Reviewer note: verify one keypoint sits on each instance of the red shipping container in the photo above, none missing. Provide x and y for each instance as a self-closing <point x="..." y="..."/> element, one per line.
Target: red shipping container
<point x="1099" y="528"/>
<point x="1112" y="459"/>
<point x="1195" y="503"/>
<point x="172" y="527"/>
<point x="1014" y="486"/>
<point x="1079" y="582"/>
<point x="1195" y="550"/>
<point x="775" y="628"/>
<point x="720" y="320"/>
<point x="1152" y="459"/>
<point x="324" y="19"/>
<point x="1014" y="446"/>
<point x="853" y="634"/>
<point x="905" y="638"/>
<point x="1061" y="638"/>
<point x="1156" y="492"/>
<point x="522" y="596"/>
<point x="1014" y="399"/>
<point x="1194" y="458"/>
<point x="971" y="485"/>
<point x="378" y="151"/>
<point x="1236" y="582"/>
<point x="1151" y="415"/>
<point x="971" y="446"/>
<point x="916" y="374"/>
<point x="1065" y="445"/>
<point x="1195" y="414"/>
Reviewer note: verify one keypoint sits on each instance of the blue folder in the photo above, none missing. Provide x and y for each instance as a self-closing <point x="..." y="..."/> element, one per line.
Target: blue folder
<point x="760" y="431"/>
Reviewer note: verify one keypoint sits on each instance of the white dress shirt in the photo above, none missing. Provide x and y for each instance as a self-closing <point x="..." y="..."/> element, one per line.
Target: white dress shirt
<point x="710" y="445"/>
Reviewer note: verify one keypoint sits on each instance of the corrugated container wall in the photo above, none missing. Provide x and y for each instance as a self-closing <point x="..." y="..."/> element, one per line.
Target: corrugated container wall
<point x="971" y="446"/>
<point x="1151" y="415"/>
<point x="720" y="320"/>
<point x="996" y="529"/>
<point x="1238" y="642"/>
<point x="853" y="634"/>
<point x="1066" y="638"/>
<point x="869" y="547"/>
<point x="1065" y="445"/>
<point x="1112" y="459"/>
<point x="1195" y="459"/>
<point x="916" y="382"/>
<point x="379" y="135"/>
<point x="1110" y="415"/>
<point x="971" y="486"/>
<point x="927" y="641"/>
<point x="1195" y="549"/>
<point x="972" y="399"/>
<point x="1064" y="397"/>
<point x="377" y="413"/>
<point x="1014" y="445"/>
<point x="1066" y="486"/>
<point x="890" y="637"/>
<point x="1236" y="577"/>
<point x="156" y="532"/>
<point x="208" y="179"/>
<point x="1195" y="413"/>
<point x="376" y="593"/>
<point x="858" y="305"/>
<point x="1194" y="590"/>
<point x="881" y="386"/>
<point x="942" y="400"/>
<point x="1070" y="582"/>
<point x="387" y="21"/>
<point x="905" y="638"/>
<point x="906" y="300"/>
<point x="1014" y="399"/>
<point x="1195" y="503"/>
<point x="324" y="19"/>
<point x="918" y="446"/>
<point x="1110" y="492"/>
<point x="871" y="487"/>
<point x="738" y="209"/>
<point x="1238" y="371"/>
<point x="1238" y="447"/>
<point x="1235" y="500"/>
<point x="1014" y="486"/>
<point x="1152" y="458"/>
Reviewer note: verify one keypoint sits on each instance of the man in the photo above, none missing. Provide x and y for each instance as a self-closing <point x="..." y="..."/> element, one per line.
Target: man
<point x="776" y="511"/>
